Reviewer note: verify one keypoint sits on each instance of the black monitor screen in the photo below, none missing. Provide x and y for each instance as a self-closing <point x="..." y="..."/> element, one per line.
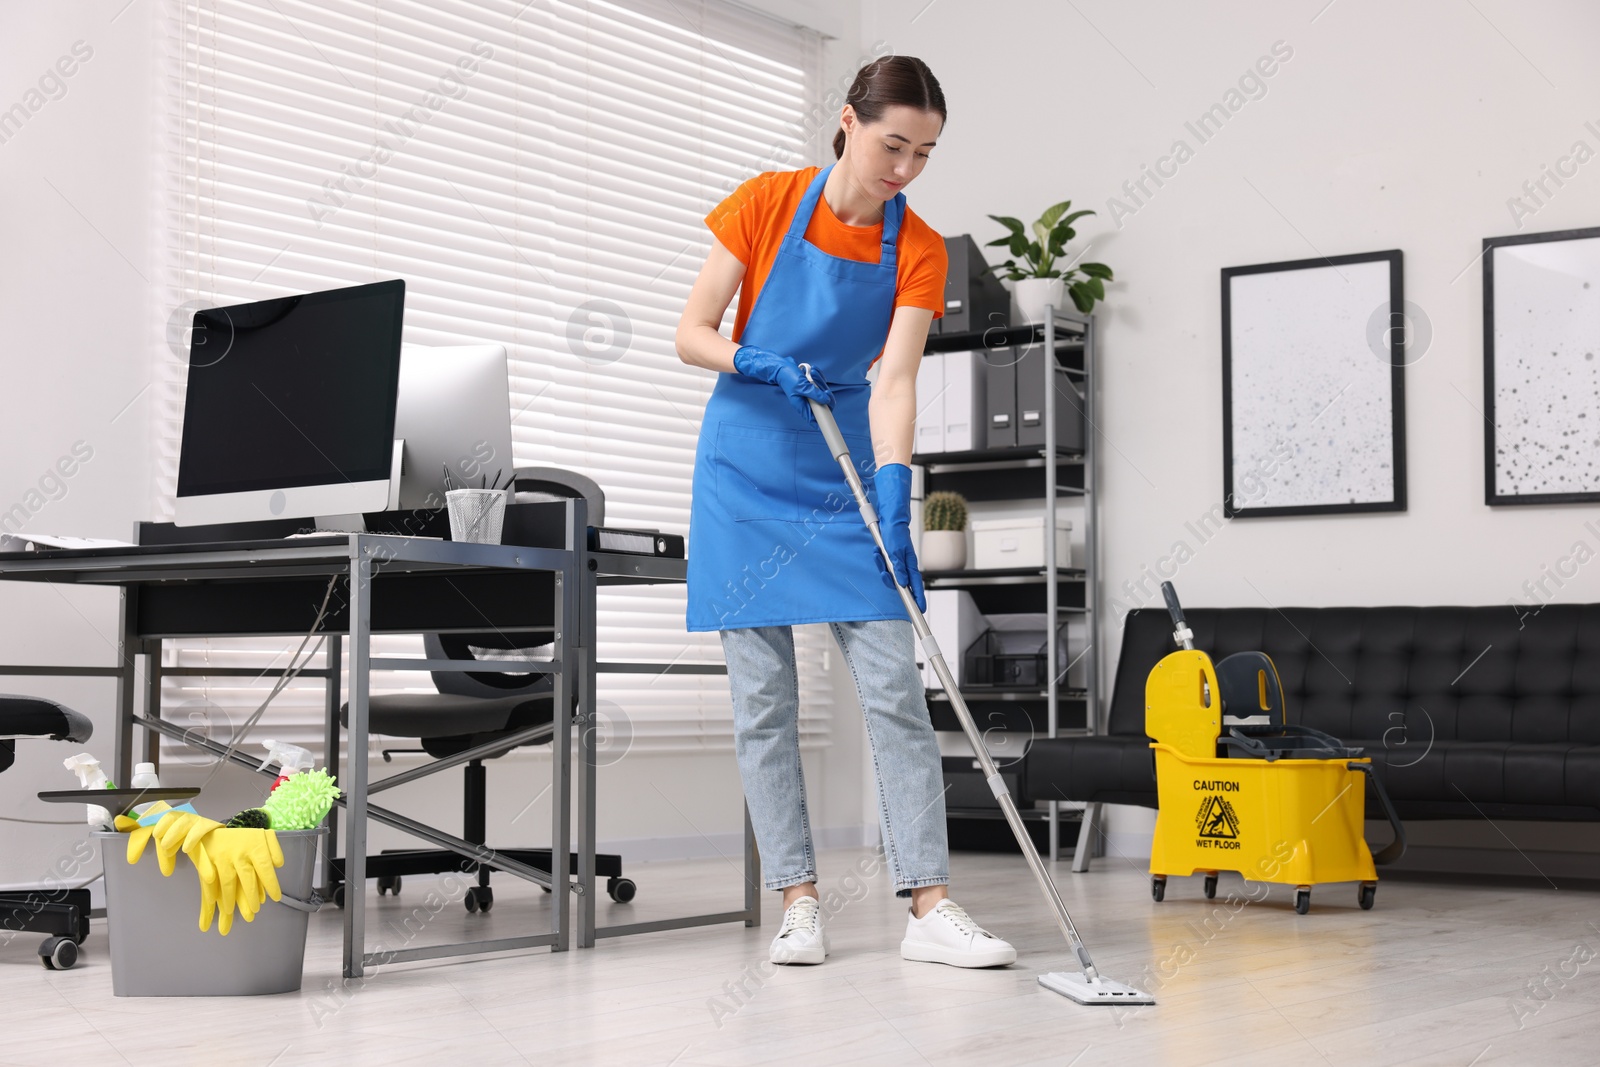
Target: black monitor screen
<point x="294" y="391"/>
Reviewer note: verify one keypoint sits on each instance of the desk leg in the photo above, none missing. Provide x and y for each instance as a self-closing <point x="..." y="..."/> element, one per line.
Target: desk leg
<point x="355" y="860"/>
<point x="127" y="684"/>
<point x="330" y="759"/>
<point x="588" y="722"/>
<point x="152" y="699"/>
<point x="752" y="872"/>
<point x="565" y="650"/>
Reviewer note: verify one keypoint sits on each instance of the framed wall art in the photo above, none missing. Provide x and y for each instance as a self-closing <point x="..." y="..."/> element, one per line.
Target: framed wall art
<point x="1541" y="368"/>
<point x="1313" y="386"/>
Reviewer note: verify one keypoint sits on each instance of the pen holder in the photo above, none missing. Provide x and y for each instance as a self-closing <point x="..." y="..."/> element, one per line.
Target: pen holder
<point x="476" y="515"/>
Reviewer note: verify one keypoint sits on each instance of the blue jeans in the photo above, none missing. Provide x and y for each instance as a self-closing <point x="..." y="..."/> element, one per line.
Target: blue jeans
<point x="905" y="754"/>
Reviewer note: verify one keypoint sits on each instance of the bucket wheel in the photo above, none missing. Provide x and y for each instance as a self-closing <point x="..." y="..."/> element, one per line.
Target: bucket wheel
<point x="1368" y="894"/>
<point x="1211" y="886"/>
<point x="1302" y="899"/>
<point x="1158" y="887"/>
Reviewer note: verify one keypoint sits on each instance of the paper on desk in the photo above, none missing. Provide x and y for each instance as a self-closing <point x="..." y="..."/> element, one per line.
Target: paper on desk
<point x="34" y="542"/>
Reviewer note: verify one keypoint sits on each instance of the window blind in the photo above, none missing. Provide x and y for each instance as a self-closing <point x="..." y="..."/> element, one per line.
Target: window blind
<point x="538" y="174"/>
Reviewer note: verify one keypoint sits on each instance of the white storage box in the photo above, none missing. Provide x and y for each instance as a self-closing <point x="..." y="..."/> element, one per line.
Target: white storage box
<point x="1017" y="542"/>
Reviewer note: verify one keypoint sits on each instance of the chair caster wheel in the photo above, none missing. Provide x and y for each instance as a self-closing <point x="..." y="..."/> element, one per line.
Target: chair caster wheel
<point x="1211" y="887"/>
<point x="58" y="953"/>
<point x="480" y="898"/>
<point x="338" y="895"/>
<point x="1158" y="887"/>
<point x="390" y="884"/>
<point x="1302" y="901"/>
<point x="622" y="890"/>
<point x="1368" y="895"/>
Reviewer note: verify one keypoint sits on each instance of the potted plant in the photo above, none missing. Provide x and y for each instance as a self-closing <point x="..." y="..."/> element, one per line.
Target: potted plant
<point x="944" y="532"/>
<point x="1037" y="281"/>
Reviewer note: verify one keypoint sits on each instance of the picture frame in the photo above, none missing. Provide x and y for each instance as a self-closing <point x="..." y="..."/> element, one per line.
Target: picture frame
<point x="1313" y="386"/>
<point x="1541" y="368"/>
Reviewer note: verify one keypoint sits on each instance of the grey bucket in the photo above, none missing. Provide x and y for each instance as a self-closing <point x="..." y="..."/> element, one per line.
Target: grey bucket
<point x="158" y="949"/>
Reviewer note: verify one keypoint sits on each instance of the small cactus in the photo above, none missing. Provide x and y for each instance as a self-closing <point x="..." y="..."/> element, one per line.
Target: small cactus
<point x="944" y="511"/>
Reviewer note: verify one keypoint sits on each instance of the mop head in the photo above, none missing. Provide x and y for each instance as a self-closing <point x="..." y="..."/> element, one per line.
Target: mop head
<point x="1086" y="990"/>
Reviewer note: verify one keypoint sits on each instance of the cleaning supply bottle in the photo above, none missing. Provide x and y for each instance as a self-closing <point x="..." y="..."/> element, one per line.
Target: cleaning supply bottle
<point x="144" y="777"/>
<point x="290" y="759"/>
<point x="90" y="776"/>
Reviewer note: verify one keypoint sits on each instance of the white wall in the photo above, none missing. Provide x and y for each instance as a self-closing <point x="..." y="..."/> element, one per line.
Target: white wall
<point x="1391" y="126"/>
<point x="76" y="308"/>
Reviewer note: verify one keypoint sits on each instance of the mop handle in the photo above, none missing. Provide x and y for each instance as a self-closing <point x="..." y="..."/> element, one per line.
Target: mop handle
<point x="835" y="440"/>
<point x="1180" y="628"/>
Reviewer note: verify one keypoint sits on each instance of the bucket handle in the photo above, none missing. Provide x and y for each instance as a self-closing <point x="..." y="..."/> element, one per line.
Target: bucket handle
<point x="1396" y="848"/>
<point x="310" y="907"/>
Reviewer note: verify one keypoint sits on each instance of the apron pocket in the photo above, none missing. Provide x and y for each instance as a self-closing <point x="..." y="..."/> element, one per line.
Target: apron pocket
<point x="823" y="494"/>
<point x="756" y="472"/>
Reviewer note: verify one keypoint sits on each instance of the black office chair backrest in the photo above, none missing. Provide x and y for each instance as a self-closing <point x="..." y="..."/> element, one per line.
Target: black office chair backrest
<point x="562" y="484"/>
<point x="545" y="481"/>
<point x="486" y="683"/>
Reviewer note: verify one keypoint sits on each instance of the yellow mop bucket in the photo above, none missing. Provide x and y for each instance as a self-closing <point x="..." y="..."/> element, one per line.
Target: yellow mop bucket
<point x="1242" y="790"/>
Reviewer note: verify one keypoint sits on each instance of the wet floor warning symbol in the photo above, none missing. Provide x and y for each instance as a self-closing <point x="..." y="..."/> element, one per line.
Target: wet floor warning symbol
<point x="1217" y="819"/>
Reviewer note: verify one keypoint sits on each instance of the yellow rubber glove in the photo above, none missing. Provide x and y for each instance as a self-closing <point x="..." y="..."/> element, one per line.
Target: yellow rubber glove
<point x="139" y="836"/>
<point x="241" y="862"/>
<point x="179" y="831"/>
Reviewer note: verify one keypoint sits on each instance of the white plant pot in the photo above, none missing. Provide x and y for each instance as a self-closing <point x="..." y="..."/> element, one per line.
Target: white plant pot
<point x="943" y="550"/>
<point x="1032" y="294"/>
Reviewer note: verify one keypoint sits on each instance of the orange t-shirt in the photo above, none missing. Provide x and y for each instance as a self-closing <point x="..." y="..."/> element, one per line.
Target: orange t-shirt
<point x="752" y="221"/>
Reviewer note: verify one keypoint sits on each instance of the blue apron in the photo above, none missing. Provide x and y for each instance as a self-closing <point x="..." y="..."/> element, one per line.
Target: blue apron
<point x="775" y="537"/>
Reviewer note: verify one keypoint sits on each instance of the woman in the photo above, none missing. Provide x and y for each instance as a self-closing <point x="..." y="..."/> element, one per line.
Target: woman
<point x="836" y="272"/>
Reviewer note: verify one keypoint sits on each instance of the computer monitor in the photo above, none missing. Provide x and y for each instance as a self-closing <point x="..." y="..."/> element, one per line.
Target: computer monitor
<point x="290" y="408"/>
<point x="454" y="411"/>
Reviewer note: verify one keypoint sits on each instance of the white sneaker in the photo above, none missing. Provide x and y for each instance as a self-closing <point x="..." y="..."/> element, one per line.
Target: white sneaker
<point x="947" y="934"/>
<point x="802" y="939"/>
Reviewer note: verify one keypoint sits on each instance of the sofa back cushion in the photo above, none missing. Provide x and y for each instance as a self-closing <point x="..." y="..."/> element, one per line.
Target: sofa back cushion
<point x="1402" y="673"/>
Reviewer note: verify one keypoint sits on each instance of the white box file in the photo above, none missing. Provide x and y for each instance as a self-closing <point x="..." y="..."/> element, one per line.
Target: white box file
<point x="956" y="622"/>
<point x="930" y="404"/>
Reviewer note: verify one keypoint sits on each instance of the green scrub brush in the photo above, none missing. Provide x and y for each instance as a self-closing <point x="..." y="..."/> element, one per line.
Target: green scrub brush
<point x="300" y="802"/>
<point x="251" y="819"/>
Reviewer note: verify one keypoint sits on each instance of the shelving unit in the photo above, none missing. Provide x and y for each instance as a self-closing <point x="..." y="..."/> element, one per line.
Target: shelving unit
<point x="1046" y="473"/>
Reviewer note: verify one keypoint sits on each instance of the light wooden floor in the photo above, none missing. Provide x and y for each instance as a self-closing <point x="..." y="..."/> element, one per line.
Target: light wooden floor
<point x="1440" y="972"/>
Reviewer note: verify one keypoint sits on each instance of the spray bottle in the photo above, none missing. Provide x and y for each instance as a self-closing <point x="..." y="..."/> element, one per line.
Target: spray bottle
<point x="290" y="760"/>
<point x="87" y="768"/>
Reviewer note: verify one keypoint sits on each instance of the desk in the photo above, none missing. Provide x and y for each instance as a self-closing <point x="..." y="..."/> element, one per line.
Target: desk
<point x="393" y="583"/>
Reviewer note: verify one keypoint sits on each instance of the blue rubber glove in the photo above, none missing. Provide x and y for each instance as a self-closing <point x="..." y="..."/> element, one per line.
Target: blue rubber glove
<point x="782" y="371"/>
<point x="893" y="486"/>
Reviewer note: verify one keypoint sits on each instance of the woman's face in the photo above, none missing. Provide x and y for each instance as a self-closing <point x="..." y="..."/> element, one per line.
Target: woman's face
<point x="886" y="155"/>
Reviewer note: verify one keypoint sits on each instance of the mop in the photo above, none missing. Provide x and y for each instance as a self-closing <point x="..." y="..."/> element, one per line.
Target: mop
<point x="1087" y="987"/>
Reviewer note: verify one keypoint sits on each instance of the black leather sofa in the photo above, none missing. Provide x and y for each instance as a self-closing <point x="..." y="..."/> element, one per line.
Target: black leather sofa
<point x="1466" y="712"/>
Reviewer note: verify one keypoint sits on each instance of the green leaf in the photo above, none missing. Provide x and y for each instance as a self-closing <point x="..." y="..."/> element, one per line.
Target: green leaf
<point x="1014" y="225"/>
<point x="1097" y="287"/>
<point x="1083" y="301"/>
<point x="1052" y="213"/>
<point x="1096" y="270"/>
<point x="1076" y="215"/>
<point x="999" y="241"/>
<point x="1019" y="245"/>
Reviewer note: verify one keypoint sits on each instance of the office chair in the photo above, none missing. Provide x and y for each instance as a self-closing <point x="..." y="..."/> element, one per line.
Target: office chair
<point x="473" y="709"/>
<point x="63" y="913"/>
